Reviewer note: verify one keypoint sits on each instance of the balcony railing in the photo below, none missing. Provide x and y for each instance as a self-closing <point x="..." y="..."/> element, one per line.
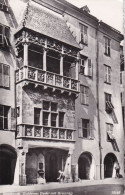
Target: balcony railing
<point x="43" y="132"/>
<point x="40" y="76"/>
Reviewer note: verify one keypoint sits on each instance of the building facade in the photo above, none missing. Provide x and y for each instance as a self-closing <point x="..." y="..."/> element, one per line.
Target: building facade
<point x="60" y="93"/>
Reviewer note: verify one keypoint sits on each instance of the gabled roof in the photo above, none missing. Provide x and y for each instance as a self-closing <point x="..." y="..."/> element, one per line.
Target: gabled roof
<point x="47" y="22"/>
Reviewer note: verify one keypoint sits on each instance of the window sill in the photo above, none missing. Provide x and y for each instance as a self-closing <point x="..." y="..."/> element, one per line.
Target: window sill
<point x="84" y="104"/>
<point x="107" y="83"/>
<point x="107" y="55"/>
<point x="8" y="88"/>
<point x="83" y="43"/>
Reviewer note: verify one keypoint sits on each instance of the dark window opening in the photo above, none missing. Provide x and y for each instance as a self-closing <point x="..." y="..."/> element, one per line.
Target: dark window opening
<point x="83" y="34"/>
<point x="53" y="62"/>
<point x="53" y="119"/>
<point x="53" y="106"/>
<point x="107" y="46"/>
<point x="45" y="118"/>
<point x="61" y="119"/>
<point x="3" y="5"/>
<point x="46" y="105"/>
<point x="4" y="37"/>
<point x="37" y="116"/>
<point x="18" y="111"/>
<point x="35" y="59"/>
<point x="69" y="67"/>
<point x="85" y="128"/>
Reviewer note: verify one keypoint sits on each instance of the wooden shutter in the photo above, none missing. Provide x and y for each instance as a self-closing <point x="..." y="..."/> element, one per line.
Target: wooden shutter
<point x="6" y="75"/>
<point x="1" y="36"/>
<point x="1" y="75"/>
<point x="90" y="69"/>
<point x="91" y="126"/>
<point x="80" y="133"/>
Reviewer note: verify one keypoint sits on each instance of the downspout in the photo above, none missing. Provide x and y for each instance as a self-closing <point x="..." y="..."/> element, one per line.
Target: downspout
<point x="97" y="92"/>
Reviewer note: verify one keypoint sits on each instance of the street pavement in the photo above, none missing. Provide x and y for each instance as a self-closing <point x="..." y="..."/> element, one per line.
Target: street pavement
<point x="109" y="186"/>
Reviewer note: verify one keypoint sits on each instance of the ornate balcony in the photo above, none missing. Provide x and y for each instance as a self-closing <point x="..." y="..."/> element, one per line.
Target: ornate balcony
<point x="47" y="78"/>
<point x="43" y="132"/>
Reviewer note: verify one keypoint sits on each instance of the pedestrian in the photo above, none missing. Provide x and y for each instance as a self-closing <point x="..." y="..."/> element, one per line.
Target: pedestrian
<point x="117" y="168"/>
<point x="61" y="176"/>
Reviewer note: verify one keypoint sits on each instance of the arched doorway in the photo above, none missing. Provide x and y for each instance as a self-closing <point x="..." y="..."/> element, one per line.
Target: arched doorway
<point x="8" y="158"/>
<point x="109" y="161"/>
<point x="84" y="165"/>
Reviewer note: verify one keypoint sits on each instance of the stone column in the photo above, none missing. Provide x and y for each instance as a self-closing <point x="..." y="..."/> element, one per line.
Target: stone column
<point x="61" y="64"/>
<point x="67" y="171"/>
<point x="77" y="69"/>
<point x="44" y="59"/>
<point x="25" y="54"/>
<point x="22" y="166"/>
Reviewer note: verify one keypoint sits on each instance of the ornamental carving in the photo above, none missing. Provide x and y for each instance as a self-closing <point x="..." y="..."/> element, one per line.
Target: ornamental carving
<point x="38" y="39"/>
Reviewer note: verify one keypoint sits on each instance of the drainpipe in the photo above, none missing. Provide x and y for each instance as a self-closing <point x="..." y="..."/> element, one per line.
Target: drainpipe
<point x="97" y="92"/>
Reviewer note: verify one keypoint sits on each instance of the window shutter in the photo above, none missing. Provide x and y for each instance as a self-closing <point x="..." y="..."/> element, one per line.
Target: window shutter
<point x="13" y="118"/>
<point x="90" y="70"/>
<point x="80" y="133"/>
<point x="6" y="76"/>
<point x="1" y="36"/>
<point x="1" y="75"/>
<point x="91" y="130"/>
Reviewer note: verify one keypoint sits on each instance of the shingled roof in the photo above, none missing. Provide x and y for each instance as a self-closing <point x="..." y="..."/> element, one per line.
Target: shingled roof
<point x="46" y="22"/>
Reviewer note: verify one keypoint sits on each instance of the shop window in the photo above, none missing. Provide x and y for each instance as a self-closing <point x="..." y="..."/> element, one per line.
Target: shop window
<point x="37" y="116"/>
<point x="4" y="37"/>
<point x="3" y="5"/>
<point x="61" y="119"/>
<point x="107" y="72"/>
<point x="107" y="46"/>
<point x="4" y="76"/>
<point x="4" y="117"/>
<point x="84" y="93"/>
<point x="83" y="34"/>
<point x="108" y="104"/>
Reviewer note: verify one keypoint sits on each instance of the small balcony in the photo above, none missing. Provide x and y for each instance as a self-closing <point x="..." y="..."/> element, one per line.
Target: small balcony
<point x="43" y="132"/>
<point x="47" y="78"/>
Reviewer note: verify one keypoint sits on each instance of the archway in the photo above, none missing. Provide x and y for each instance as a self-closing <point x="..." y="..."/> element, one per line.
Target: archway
<point x="8" y="158"/>
<point x="84" y="165"/>
<point x="109" y="161"/>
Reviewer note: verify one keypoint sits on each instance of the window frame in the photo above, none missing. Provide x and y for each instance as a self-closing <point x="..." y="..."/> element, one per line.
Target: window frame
<point x="109" y="128"/>
<point x="83" y="34"/>
<point x="5" y="37"/>
<point x="84" y="97"/>
<point x="36" y="117"/>
<point x="107" y="74"/>
<point x="86" y="128"/>
<point x="107" y="43"/>
<point x="4" y="76"/>
<point x="108" y="103"/>
<point x="4" y="6"/>
<point x="4" y="117"/>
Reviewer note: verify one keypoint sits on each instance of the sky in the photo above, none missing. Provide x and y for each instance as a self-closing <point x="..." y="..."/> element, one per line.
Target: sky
<point x="109" y="11"/>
